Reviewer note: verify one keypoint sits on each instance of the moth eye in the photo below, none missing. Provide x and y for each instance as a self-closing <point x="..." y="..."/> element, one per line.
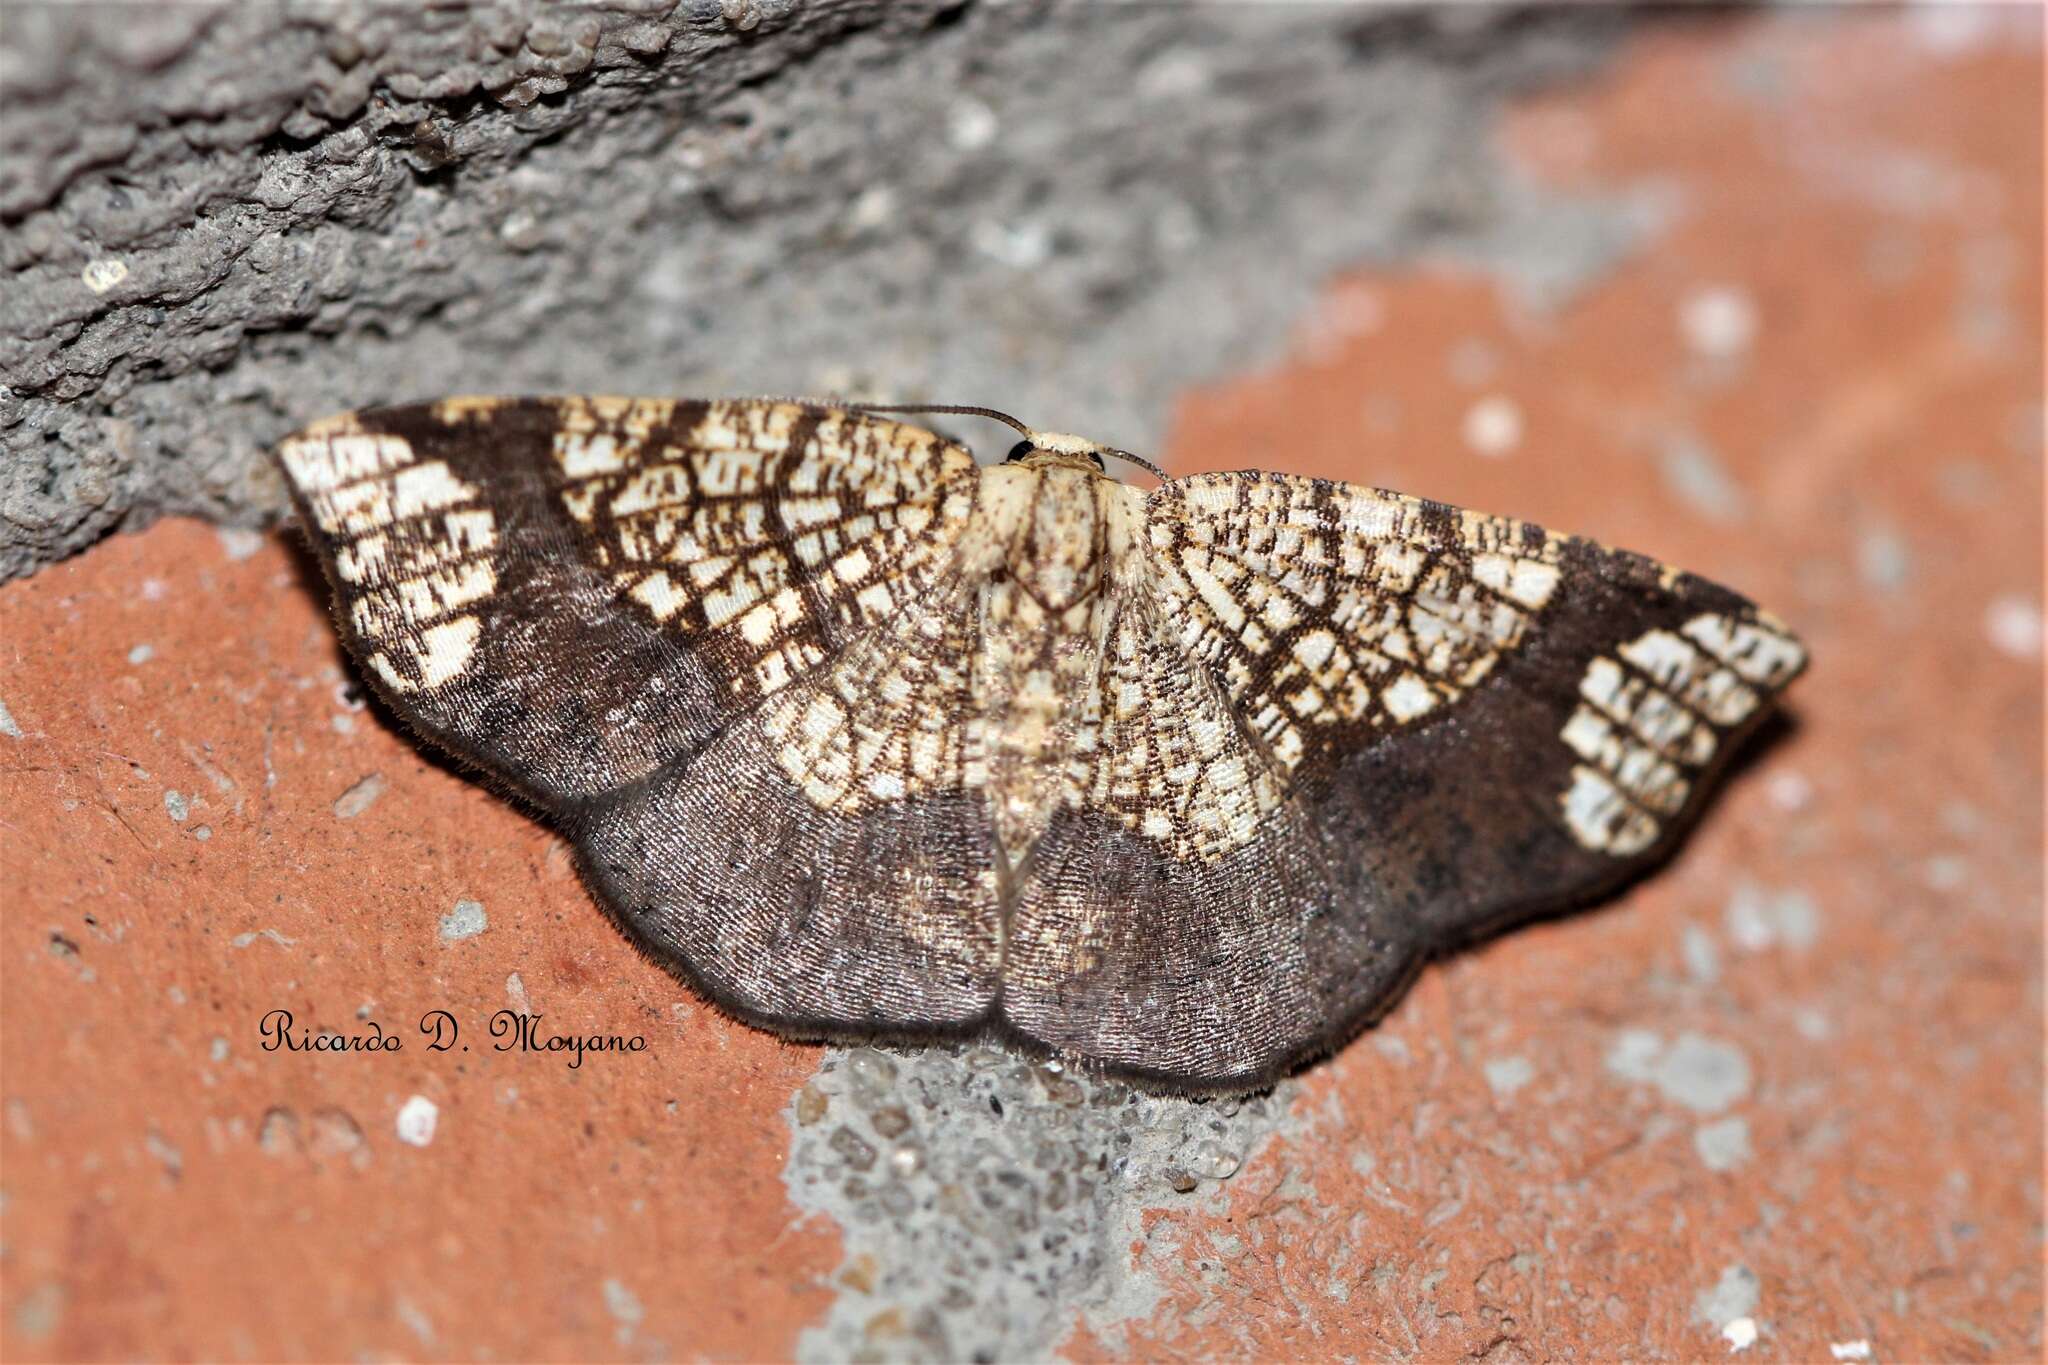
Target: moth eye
<point x="1019" y="451"/>
<point x="1097" y="457"/>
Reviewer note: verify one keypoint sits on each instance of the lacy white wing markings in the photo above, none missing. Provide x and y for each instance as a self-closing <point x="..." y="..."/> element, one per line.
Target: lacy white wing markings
<point x="1325" y="606"/>
<point x="887" y="718"/>
<point x="1651" y="716"/>
<point x="412" y="541"/>
<point x="1173" y="763"/>
<point x="784" y="534"/>
<point x="777" y="531"/>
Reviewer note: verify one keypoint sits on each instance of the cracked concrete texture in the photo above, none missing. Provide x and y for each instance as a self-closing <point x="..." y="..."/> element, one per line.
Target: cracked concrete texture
<point x="986" y="1199"/>
<point x="218" y="221"/>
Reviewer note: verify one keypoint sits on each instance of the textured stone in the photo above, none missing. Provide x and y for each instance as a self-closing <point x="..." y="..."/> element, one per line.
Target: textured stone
<point x="219" y="221"/>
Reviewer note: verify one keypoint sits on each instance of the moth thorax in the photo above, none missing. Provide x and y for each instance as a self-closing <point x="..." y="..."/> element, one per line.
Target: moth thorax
<point x="1050" y="525"/>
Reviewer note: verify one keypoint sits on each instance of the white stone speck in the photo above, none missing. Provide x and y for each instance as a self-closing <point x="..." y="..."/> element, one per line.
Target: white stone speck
<point x="1789" y="791"/>
<point x="872" y="208"/>
<point x="1702" y="954"/>
<point x="1849" y="1350"/>
<point x="103" y="274"/>
<point x="1757" y="917"/>
<point x="1695" y="475"/>
<point x="1506" y="1075"/>
<point x="970" y="125"/>
<point x="2014" y="625"/>
<point x="466" y="920"/>
<point x="1355" y="309"/>
<point x="176" y="806"/>
<point x="1883" y="558"/>
<point x="1020" y="246"/>
<point x="416" y="1120"/>
<point x="624" y="1305"/>
<point x="1945" y="872"/>
<point x="1493" y="426"/>
<point x="1733" y="1296"/>
<point x="1724" y="1144"/>
<point x="1717" y="321"/>
<point x="1635" y="1054"/>
<point x="1174" y="74"/>
<point x="141" y="654"/>
<point x="1740" y="1334"/>
<point x="1212" y="1160"/>
<point x="1350" y="310"/>
<point x="1703" y="1074"/>
<point x="8" y="727"/>
<point x="1950" y="30"/>
<point x="416" y="1322"/>
<point x="520" y="230"/>
<point x="360" y="796"/>
<point x="239" y="542"/>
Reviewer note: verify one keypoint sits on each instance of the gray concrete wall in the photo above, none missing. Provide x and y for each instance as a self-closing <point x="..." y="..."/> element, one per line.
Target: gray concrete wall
<point x="218" y="221"/>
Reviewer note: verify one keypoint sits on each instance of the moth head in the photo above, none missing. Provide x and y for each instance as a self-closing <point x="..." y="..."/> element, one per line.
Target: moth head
<point x="1039" y="449"/>
<point x="1053" y="450"/>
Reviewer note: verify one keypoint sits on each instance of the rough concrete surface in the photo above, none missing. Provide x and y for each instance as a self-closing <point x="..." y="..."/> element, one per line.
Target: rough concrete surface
<point x="220" y="221"/>
<point x="1781" y="1102"/>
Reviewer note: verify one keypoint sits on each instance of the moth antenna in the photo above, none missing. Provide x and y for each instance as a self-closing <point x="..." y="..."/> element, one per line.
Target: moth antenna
<point x="954" y="410"/>
<point x="951" y="409"/>
<point x="964" y="411"/>
<point x="1140" y="461"/>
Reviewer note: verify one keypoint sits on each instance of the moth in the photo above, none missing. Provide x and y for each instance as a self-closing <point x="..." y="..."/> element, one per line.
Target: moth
<point x="862" y="738"/>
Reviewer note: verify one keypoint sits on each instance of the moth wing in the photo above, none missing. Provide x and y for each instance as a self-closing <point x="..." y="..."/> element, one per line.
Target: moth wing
<point x="825" y="865"/>
<point x="1442" y="722"/>
<point x="1184" y="922"/>
<point x="599" y="601"/>
<point x="569" y="592"/>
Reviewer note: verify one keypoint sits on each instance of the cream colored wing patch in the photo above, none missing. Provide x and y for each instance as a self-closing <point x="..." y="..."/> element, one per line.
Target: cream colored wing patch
<point x="1174" y="762"/>
<point x="1651" y="715"/>
<point x="891" y="717"/>
<point x="766" y="533"/>
<point x="413" y="544"/>
<point x="1326" y="606"/>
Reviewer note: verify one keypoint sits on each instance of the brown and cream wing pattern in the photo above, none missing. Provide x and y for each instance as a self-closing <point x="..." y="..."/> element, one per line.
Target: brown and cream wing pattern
<point x="1342" y="729"/>
<point x="1499" y="718"/>
<point x="865" y="739"/>
<point x="572" y="591"/>
<point x="706" y="637"/>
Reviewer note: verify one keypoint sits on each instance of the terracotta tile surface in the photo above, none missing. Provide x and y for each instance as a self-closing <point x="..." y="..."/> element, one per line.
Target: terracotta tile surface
<point x="1791" y="1087"/>
<point x="1820" y="383"/>
<point x="217" y="830"/>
